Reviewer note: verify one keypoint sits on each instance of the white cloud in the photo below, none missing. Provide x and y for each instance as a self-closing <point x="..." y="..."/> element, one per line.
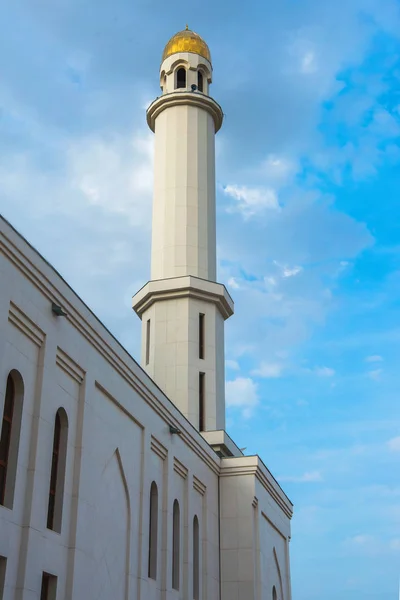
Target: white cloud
<point x="268" y="370"/>
<point x="302" y="402"/>
<point x="270" y="280"/>
<point x="250" y="201"/>
<point x="114" y="174"/>
<point x="242" y="393"/>
<point x="308" y="477"/>
<point x="287" y="271"/>
<point x="374" y="358"/>
<point x="285" y="301"/>
<point x="290" y="272"/>
<point x="232" y="364"/>
<point x="324" y="371"/>
<point x="371" y="545"/>
<point x="308" y="63"/>
<point x="375" y="375"/>
<point x="303" y="55"/>
<point x="394" y="444"/>
<point x="232" y="282"/>
<point x="394" y="544"/>
<point x="99" y="196"/>
<point x="362" y="540"/>
<point x="278" y="171"/>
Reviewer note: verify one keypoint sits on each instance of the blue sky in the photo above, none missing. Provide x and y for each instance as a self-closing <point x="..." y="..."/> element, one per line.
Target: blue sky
<point x="308" y="211"/>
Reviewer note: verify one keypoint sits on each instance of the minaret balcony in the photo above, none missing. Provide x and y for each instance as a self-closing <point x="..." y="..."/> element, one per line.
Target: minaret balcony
<point x="179" y="98"/>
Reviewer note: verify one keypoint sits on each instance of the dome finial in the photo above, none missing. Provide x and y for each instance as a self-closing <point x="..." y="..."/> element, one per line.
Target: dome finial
<point x="187" y="27"/>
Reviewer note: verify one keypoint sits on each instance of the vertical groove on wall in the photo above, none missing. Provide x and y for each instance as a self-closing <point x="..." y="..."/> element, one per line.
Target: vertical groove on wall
<point x="164" y="526"/>
<point x="129" y="524"/>
<point x="204" y="540"/>
<point x="30" y="479"/>
<point x="76" y="478"/>
<point x="141" y="501"/>
<point x="257" y="552"/>
<point x="186" y="530"/>
<point x="288" y="578"/>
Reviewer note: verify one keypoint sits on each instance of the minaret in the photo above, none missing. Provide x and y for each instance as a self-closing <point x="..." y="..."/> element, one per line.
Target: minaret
<point x="182" y="308"/>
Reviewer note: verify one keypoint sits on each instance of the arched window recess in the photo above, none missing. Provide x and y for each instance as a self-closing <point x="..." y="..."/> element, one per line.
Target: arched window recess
<point x="163" y="81"/>
<point x="176" y="538"/>
<point x="9" y="437"/>
<point x="153" y="531"/>
<point x="196" y="559"/>
<point x="57" y="474"/>
<point x="180" y="82"/>
<point x="200" y="81"/>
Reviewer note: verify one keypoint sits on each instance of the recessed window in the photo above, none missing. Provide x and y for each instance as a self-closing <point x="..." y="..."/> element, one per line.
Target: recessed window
<point x="49" y="587"/>
<point x="176" y="534"/>
<point x="148" y="342"/>
<point x="9" y="437"/>
<point x="202" y="386"/>
<point x="3" y="565"/>
<point x="201" y="335"/>
<point x="196" y="559"/>
<point x="200" y="81"/>
<point x="153" y="526"/>
<point x="57" y="475"/>
<point x="181" y="78"/>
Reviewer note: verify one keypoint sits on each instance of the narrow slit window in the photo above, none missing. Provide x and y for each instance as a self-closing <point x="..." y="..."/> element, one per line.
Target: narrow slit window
<point x="274" y="594"/>
<point x="5" y="439"/>
<point x="181" y="78"/>
<point x="49" y="587"/>
<point x="196" y="559"/>
<point x="148" y="342"/>
<point x="153" y="527"/>
<point x="9" y="437"/>
<point x="3" y="565"/>
<point x="201" y="335"/>
<point x="176" y="534"/>
<point x="202" y="383"/>
<point x="57" y="475"/>
<point x="200" y="81"/>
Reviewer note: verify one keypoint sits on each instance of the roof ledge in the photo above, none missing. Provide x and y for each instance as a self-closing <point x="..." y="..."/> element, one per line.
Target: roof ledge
<point x="183" y="287"/>
<point x="221" y="443"/>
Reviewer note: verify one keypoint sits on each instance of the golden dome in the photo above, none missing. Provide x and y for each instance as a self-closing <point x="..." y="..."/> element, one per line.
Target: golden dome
<point x="186" y="41"/>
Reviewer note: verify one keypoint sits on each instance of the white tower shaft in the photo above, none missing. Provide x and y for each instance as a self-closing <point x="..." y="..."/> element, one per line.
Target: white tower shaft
<point x="183" y="238"/>
<point x="182" y="308"/>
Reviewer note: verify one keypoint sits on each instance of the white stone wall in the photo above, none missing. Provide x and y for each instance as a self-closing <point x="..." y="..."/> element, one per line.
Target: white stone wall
<point x="255" y="532"/>
<point x="118" y="443"/>
<point x="273" y="529"/>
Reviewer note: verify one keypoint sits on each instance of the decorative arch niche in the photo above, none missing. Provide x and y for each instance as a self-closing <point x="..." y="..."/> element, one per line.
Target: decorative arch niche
<point x="280" y="595"/>
<point x="111" y="532"/>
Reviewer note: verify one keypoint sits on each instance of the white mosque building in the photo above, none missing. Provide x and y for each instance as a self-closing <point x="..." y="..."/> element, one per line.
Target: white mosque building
<point x="119" y="481"/>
